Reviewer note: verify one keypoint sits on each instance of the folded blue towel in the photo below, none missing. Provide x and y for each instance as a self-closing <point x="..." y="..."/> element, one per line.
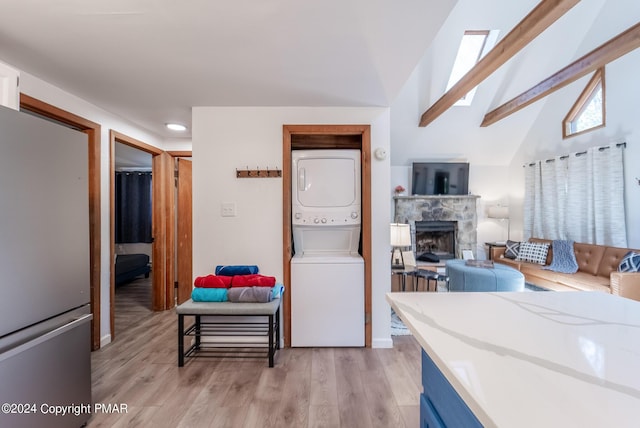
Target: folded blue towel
<point x="278" y="290"/>
<point x="199" y="294"/>
<point x="232" y="270"/>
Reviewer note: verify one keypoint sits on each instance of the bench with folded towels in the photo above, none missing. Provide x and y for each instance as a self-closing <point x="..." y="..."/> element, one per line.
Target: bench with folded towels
<point x="235" y="309"/>
<point x="238" y="283"/>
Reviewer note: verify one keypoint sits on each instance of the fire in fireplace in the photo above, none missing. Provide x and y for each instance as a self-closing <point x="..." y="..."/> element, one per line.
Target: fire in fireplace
<point x="435" y="240"/>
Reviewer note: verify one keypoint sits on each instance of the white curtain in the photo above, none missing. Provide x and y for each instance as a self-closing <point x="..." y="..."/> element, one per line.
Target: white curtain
<point x="553" y="173"/>
<point x="532" y="201"/>
<point x="578" y="197"/>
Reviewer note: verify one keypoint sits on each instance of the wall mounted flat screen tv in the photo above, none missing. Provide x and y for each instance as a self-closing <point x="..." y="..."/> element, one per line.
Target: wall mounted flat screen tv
<point x="440" y="178"/>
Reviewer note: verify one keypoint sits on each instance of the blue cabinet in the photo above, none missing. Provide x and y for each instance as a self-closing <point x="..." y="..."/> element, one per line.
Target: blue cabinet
<point x="429" y="418"/>
<point x="440" y="404"/>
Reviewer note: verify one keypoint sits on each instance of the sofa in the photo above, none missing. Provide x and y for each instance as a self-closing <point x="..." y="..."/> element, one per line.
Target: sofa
<point x="597" y="270"/>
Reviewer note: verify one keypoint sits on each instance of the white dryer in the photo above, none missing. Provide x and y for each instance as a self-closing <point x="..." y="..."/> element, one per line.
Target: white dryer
<point x="326" y="206"/>
<point x="327" y="272"/>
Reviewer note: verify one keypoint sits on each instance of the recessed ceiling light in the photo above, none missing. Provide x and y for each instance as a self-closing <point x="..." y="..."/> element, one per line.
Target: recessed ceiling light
<point x="176" y="127"/>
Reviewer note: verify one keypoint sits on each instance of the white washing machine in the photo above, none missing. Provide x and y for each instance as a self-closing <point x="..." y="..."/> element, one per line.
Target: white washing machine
<point x="327" y="301"/>
<point x="327" y="272"/>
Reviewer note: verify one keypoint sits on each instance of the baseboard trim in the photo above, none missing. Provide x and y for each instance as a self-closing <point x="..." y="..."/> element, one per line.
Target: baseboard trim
<point x="382" y="343"/>
<point x="105" y="340"/>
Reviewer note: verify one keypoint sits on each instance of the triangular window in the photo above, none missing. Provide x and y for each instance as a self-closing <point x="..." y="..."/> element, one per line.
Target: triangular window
<point x="588" y="111"/>
<point x="474" y="45"/>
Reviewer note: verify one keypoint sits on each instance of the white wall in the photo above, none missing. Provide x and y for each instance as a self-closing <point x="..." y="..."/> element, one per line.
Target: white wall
<point x="177" y="144"/>
<point x="491" y="183"/>
<point x="226" y="138"/>
<point x="37" y="88"/>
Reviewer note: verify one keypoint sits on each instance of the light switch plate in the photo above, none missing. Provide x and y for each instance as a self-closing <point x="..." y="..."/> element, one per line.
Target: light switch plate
<point x="228" y="209"/>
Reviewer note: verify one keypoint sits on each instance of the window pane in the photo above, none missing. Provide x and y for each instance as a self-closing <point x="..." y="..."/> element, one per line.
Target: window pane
<point x="468" y="54"/>
<point x="474" y="45"/>
<point x="587" y="112"/>
<point x="591" y="116"/>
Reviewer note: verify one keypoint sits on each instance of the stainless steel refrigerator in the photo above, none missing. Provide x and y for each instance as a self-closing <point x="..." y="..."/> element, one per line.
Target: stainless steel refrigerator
<point x="45" y="318"/>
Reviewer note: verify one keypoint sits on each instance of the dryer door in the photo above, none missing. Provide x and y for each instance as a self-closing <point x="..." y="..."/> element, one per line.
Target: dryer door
<point x="326" y="182"/>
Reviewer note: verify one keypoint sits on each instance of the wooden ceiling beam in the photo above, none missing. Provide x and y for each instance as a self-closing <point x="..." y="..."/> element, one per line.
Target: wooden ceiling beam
<point x="599" y="57"/>
<point x="539" y="19"/>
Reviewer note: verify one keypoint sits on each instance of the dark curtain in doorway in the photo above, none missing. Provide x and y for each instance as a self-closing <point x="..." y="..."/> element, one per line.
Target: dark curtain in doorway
<point x="133" y="207"/>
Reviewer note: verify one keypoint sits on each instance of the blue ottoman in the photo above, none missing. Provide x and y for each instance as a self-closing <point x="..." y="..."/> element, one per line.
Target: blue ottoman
<point x="471" y="278"/>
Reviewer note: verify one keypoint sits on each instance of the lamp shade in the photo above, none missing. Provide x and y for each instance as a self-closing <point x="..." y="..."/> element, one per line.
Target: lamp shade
<point x="498" y="211"/>
<point x="400" y="235"/>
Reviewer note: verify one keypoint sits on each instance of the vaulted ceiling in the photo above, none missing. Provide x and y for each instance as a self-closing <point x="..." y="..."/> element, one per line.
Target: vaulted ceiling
<point x="457" y="134"/>
<point x="150" y="61"/>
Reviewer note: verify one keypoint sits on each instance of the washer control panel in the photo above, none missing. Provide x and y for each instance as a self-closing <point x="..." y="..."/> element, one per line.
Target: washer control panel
<point x="326" y="218"/>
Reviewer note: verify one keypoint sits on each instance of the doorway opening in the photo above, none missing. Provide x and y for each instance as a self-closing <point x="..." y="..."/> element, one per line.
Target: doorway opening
<point x="133" y="237"/>
<point x="165" y="247"/>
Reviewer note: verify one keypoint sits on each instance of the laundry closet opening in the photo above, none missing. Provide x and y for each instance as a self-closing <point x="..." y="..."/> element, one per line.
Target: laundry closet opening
<point x="328" y="211"/>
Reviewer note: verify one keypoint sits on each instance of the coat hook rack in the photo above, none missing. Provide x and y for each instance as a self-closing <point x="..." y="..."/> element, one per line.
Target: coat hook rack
<point x="258" y="173"/>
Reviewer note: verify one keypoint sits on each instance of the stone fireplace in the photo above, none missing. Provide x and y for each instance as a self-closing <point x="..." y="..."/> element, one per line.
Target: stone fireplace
<point x="451" y="222"/>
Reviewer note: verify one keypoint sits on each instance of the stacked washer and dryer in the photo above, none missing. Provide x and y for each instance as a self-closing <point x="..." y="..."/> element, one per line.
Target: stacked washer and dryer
<point x="327" y="271"/>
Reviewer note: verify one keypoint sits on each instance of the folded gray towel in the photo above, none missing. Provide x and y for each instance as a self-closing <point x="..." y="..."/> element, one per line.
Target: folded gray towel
<point x="250" y="294"/>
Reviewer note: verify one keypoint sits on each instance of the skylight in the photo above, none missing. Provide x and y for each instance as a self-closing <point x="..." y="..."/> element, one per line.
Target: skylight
<point x="588" y="111"/>
<point x="474" y="45"/>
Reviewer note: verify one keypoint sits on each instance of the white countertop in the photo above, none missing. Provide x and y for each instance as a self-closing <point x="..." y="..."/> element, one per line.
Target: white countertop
<point x="533" y="359"/>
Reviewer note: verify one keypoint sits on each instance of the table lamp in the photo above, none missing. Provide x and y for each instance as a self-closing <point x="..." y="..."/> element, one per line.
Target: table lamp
<point x="400" y="237"/>
<point x="500" y="212"/>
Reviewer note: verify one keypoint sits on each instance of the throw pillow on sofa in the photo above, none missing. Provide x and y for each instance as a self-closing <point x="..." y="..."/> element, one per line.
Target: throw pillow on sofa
<point x="564" y="258"/>
<point x="630" y="262"/>
<point x="512" y="249"/>
<point x="534" y="252"/>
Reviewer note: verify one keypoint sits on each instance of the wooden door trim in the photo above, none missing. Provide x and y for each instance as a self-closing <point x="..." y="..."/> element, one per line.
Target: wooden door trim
<point x="93" y="131"/>
<point x="164" y="227"/>
<point x="180" y="153"/>
<point x="184" y="230"/>
<point x="365" y="151"/>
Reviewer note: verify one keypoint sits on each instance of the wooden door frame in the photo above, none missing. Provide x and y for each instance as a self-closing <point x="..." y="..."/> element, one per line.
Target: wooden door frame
<point x="184" y="236"/>
<point x="160" y="288"/>
<point x="163" y="213"/>
<point x="364" y="131"/>
<point x="93" y="131"/>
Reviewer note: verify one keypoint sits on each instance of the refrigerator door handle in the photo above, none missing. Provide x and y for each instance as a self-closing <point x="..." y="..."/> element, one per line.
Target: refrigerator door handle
<point x="46" y="336"/>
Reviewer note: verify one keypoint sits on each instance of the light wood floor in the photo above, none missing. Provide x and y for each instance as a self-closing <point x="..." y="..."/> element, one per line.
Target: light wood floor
<point x="132" y="304"/>
<point x="308" y="387"/>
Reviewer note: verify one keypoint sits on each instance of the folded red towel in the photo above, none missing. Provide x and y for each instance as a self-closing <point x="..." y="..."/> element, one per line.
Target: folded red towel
<point x="212" y="281"/>
<point x="255" y="280"/>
